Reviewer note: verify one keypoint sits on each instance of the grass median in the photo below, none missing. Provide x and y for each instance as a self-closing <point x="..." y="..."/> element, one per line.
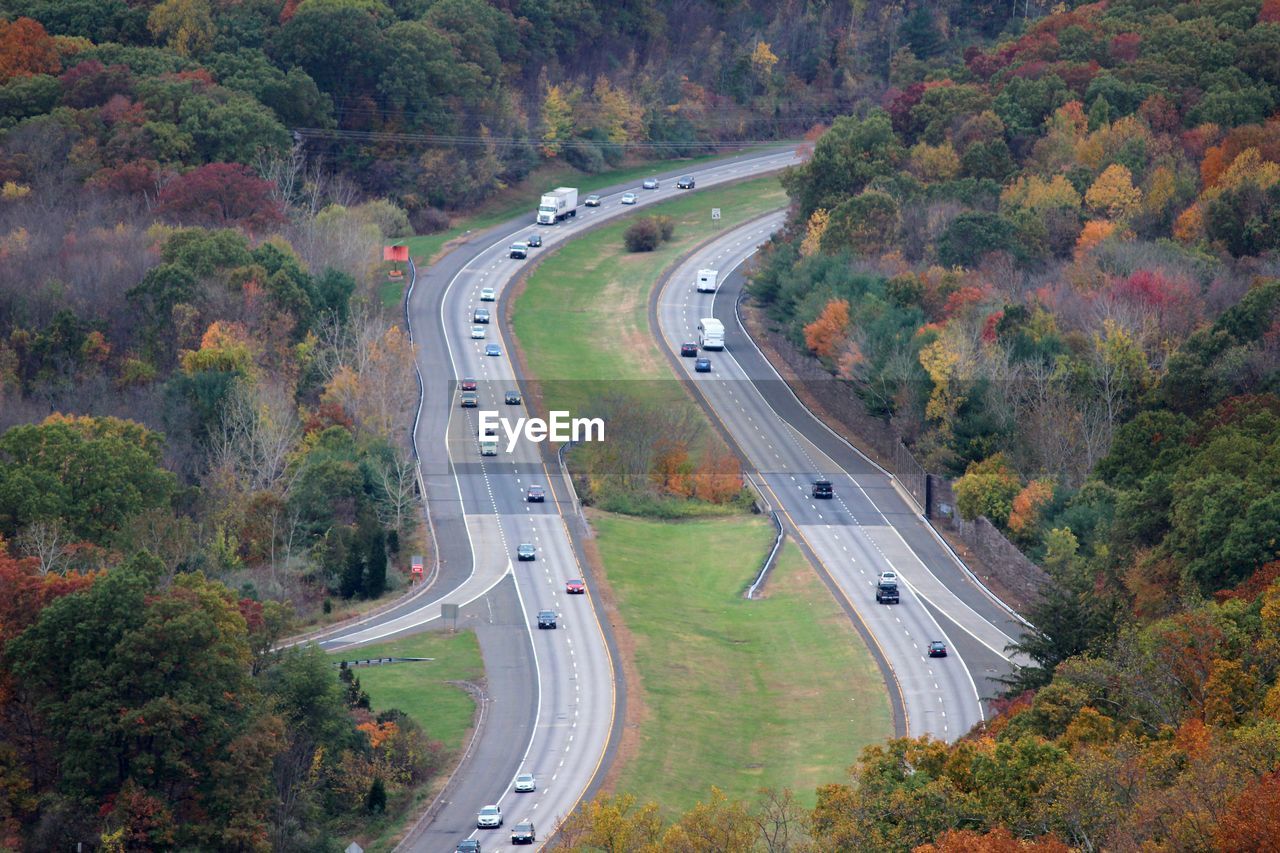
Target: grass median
<point x="778" y="692"/>
<point x="422" y="690"/>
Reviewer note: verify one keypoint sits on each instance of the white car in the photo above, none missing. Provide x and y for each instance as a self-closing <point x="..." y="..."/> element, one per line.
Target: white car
<point x="487" y="295"/>
<point x="525" y="783"/>
<point x="651" y="183"/>
<point x="889" y="577"/>
<point x="489" y="817"/>
<point x="629" y="198"/>
<point x="477" y="333"/>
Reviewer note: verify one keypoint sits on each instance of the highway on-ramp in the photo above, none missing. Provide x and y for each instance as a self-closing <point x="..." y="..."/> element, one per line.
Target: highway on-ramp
<point x="550" y="707"/>
<point x="868" y="527"/>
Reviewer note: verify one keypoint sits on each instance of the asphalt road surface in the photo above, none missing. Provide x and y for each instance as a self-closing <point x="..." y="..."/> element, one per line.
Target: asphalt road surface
<point x="868" y="527"/>
<point x="551" y="705"/>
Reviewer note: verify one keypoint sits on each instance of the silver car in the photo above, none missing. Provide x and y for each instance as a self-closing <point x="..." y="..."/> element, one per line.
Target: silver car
<point x="487" y="294"/>
<point x="651" y="183"/>
<point x="525" y="783"/>
<point x="489" y="817"/>
<point x="477" y="333"/>
<point x="629" y="198"/>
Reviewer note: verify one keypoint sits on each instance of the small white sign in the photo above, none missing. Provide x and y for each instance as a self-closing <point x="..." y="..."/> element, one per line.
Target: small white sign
<point x="715" y="213"/>
<point x="354" y="848"/>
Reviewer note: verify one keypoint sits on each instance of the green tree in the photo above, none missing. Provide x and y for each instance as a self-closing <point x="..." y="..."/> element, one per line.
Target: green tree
<point x="988" y="489"/>
<point x="844" y="160"/>
<point x="92" y="474"/>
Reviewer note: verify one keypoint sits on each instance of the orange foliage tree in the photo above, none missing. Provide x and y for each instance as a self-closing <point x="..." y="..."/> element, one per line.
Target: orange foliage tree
<point x="26" y="49"/>
<point x="1028" y="504"/>
<point x="1093" y="233"/>
<point x="998" y="840"/>
<point x="824" y="335"/>
<point x="1252" y="823"/>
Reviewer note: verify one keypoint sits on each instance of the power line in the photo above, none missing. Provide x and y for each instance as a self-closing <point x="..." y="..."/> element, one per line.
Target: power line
<point x="473" y="140"/>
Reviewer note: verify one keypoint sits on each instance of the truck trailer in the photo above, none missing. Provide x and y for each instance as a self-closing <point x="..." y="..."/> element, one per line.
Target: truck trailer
<point x="707" y="281"/>
<point x="560" y="203"/>
<point x="710" y="333"/>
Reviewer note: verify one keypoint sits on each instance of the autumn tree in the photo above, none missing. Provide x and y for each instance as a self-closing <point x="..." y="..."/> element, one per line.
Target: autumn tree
<point x="186" y="25"/>
<point x="826" y="333"/>
<point x="1113" y="194"/>
<point x="221" y="195"/>
<point x="988" y="488"/>
<point x="26" y="49"/>
<point x="557" y="120"/>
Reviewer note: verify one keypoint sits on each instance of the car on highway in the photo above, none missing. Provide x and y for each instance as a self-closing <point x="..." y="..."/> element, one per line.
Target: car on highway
<point x="702" y="365"/>
<point x="490" y="429"/>
<point x="685" y="182"/>
<point x="937" y="649"/>
<point x="477" y="333"/>
<point x="592" y="200"/>
<point x="888" y="577"/>
<point x="650" y="183"/>
<point x="489" y="817"/>
<point x="492" y="349"/>
<point x="525" y="552"/>
<point x="535" y="494"/>
<point x="575" y="586"/>
<point x="688" y="350"/>
<point x="525" y="783"/>
<point x="546" y="618"/>
<point x="629" y="198"/>
<point x="822" y="490"/>
<point x="488" y="294"/>
<point x="534" y="241"/>
<point x="522" y="833"/>
<point x="468" y="845"/>
<point x="519" y="251"/>
<point x="511" y="398"/>
<point x="468" y="383"/>
<point x="469" y="400"/>
<point x="480" y="315"/>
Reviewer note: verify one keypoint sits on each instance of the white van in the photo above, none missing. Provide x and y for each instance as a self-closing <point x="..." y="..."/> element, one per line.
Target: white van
<point x="710" y="333"/>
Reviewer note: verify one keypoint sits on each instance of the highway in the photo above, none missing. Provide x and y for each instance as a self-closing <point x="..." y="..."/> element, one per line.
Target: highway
<point x="552" y="696"/>
<point x="867" y="528"/>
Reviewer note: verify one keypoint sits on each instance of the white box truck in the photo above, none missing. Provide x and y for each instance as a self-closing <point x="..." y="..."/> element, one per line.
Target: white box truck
<point x="560" y="203"/>
<point x="710" y="333"/>
<point x="707" y="281"/>
<point x="488" y="446"/>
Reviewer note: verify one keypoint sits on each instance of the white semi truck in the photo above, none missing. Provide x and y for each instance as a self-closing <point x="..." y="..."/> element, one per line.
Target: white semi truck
<point x="560" y="203"/>
<point x="707" y="281"/>
<point x="710" y="333"/>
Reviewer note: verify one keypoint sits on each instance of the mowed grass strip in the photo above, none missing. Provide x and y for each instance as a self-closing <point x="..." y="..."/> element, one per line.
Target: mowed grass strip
<point x="421" y="688"/>
<point x="778" y="692"/>
<point x="582" y="318"/>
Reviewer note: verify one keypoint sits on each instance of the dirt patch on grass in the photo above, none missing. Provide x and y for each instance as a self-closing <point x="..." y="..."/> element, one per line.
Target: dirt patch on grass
<point x="625" y="302"/>
<point x="637" y="711"/>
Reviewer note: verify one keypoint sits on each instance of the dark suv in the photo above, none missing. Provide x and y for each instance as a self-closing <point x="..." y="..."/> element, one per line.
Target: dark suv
<point x="546" y="618"/>
<point x="822" y="489"/>
<point x="536" y="494"/>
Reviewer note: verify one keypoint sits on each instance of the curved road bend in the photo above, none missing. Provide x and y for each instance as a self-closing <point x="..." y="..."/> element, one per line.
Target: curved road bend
<point x="869" y="527"/>
<point x="551" y="701"/>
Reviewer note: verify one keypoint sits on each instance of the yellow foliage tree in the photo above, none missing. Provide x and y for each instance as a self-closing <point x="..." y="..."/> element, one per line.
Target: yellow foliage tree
<point x="1113" y="194"/>
<point x="557" y="121"/>
<point x="1189" y="227"/>
<point x="621" y="119"/>
<point x="763" y="59"/>
<point x="1035" y="193"/>
<point x="934" y="163"/>
<point x="225" y="347"/>
<point x="1162" y="185"/>
<point x="186" y="26"/>
<point x="818" y="221"/>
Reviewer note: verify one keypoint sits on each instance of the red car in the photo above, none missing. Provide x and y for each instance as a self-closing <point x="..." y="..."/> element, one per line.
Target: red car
<point x="575" y="587"/>
<point x="688" y="350"/>
<point x="468" y="384"/>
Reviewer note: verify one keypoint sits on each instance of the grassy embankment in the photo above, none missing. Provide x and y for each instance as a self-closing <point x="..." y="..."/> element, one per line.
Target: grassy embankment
<point x="422" y="690"/>
<point x="524" y="197"/>
<point x="772" y="693"/>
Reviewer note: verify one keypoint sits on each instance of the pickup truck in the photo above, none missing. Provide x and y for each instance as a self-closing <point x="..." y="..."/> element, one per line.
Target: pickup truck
<point x="519" y="251"/>
<point x="887" y="592"/>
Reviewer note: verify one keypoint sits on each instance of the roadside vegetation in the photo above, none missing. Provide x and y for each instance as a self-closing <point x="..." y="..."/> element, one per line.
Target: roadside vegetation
<point x="583" y="327"/>
<point x="430" y="693"/>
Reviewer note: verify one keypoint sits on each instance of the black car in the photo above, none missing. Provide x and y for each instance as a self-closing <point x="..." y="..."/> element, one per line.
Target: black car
<point x="937" y="649"/>
<point x="511" y="398"/>
<point x="546" y="618"/>
<point x="702" y="365"/>
<point x="525" y="551"/>
<point x="481" y="315"/>
<point x="688" y="350"/>
<point x="822" y="489"/>
<point x="536" y="494"/>
<point x="535" y="241"/>
<point x="685" y="183"/>
<point x="468" y="845"/>
<point x="522" y="833"/>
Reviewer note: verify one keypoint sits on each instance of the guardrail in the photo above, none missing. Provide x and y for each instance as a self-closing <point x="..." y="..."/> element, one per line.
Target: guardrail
<point x="376" y="661"/>
<point x="763" y="506"/>
<point x="573" y="491"/>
